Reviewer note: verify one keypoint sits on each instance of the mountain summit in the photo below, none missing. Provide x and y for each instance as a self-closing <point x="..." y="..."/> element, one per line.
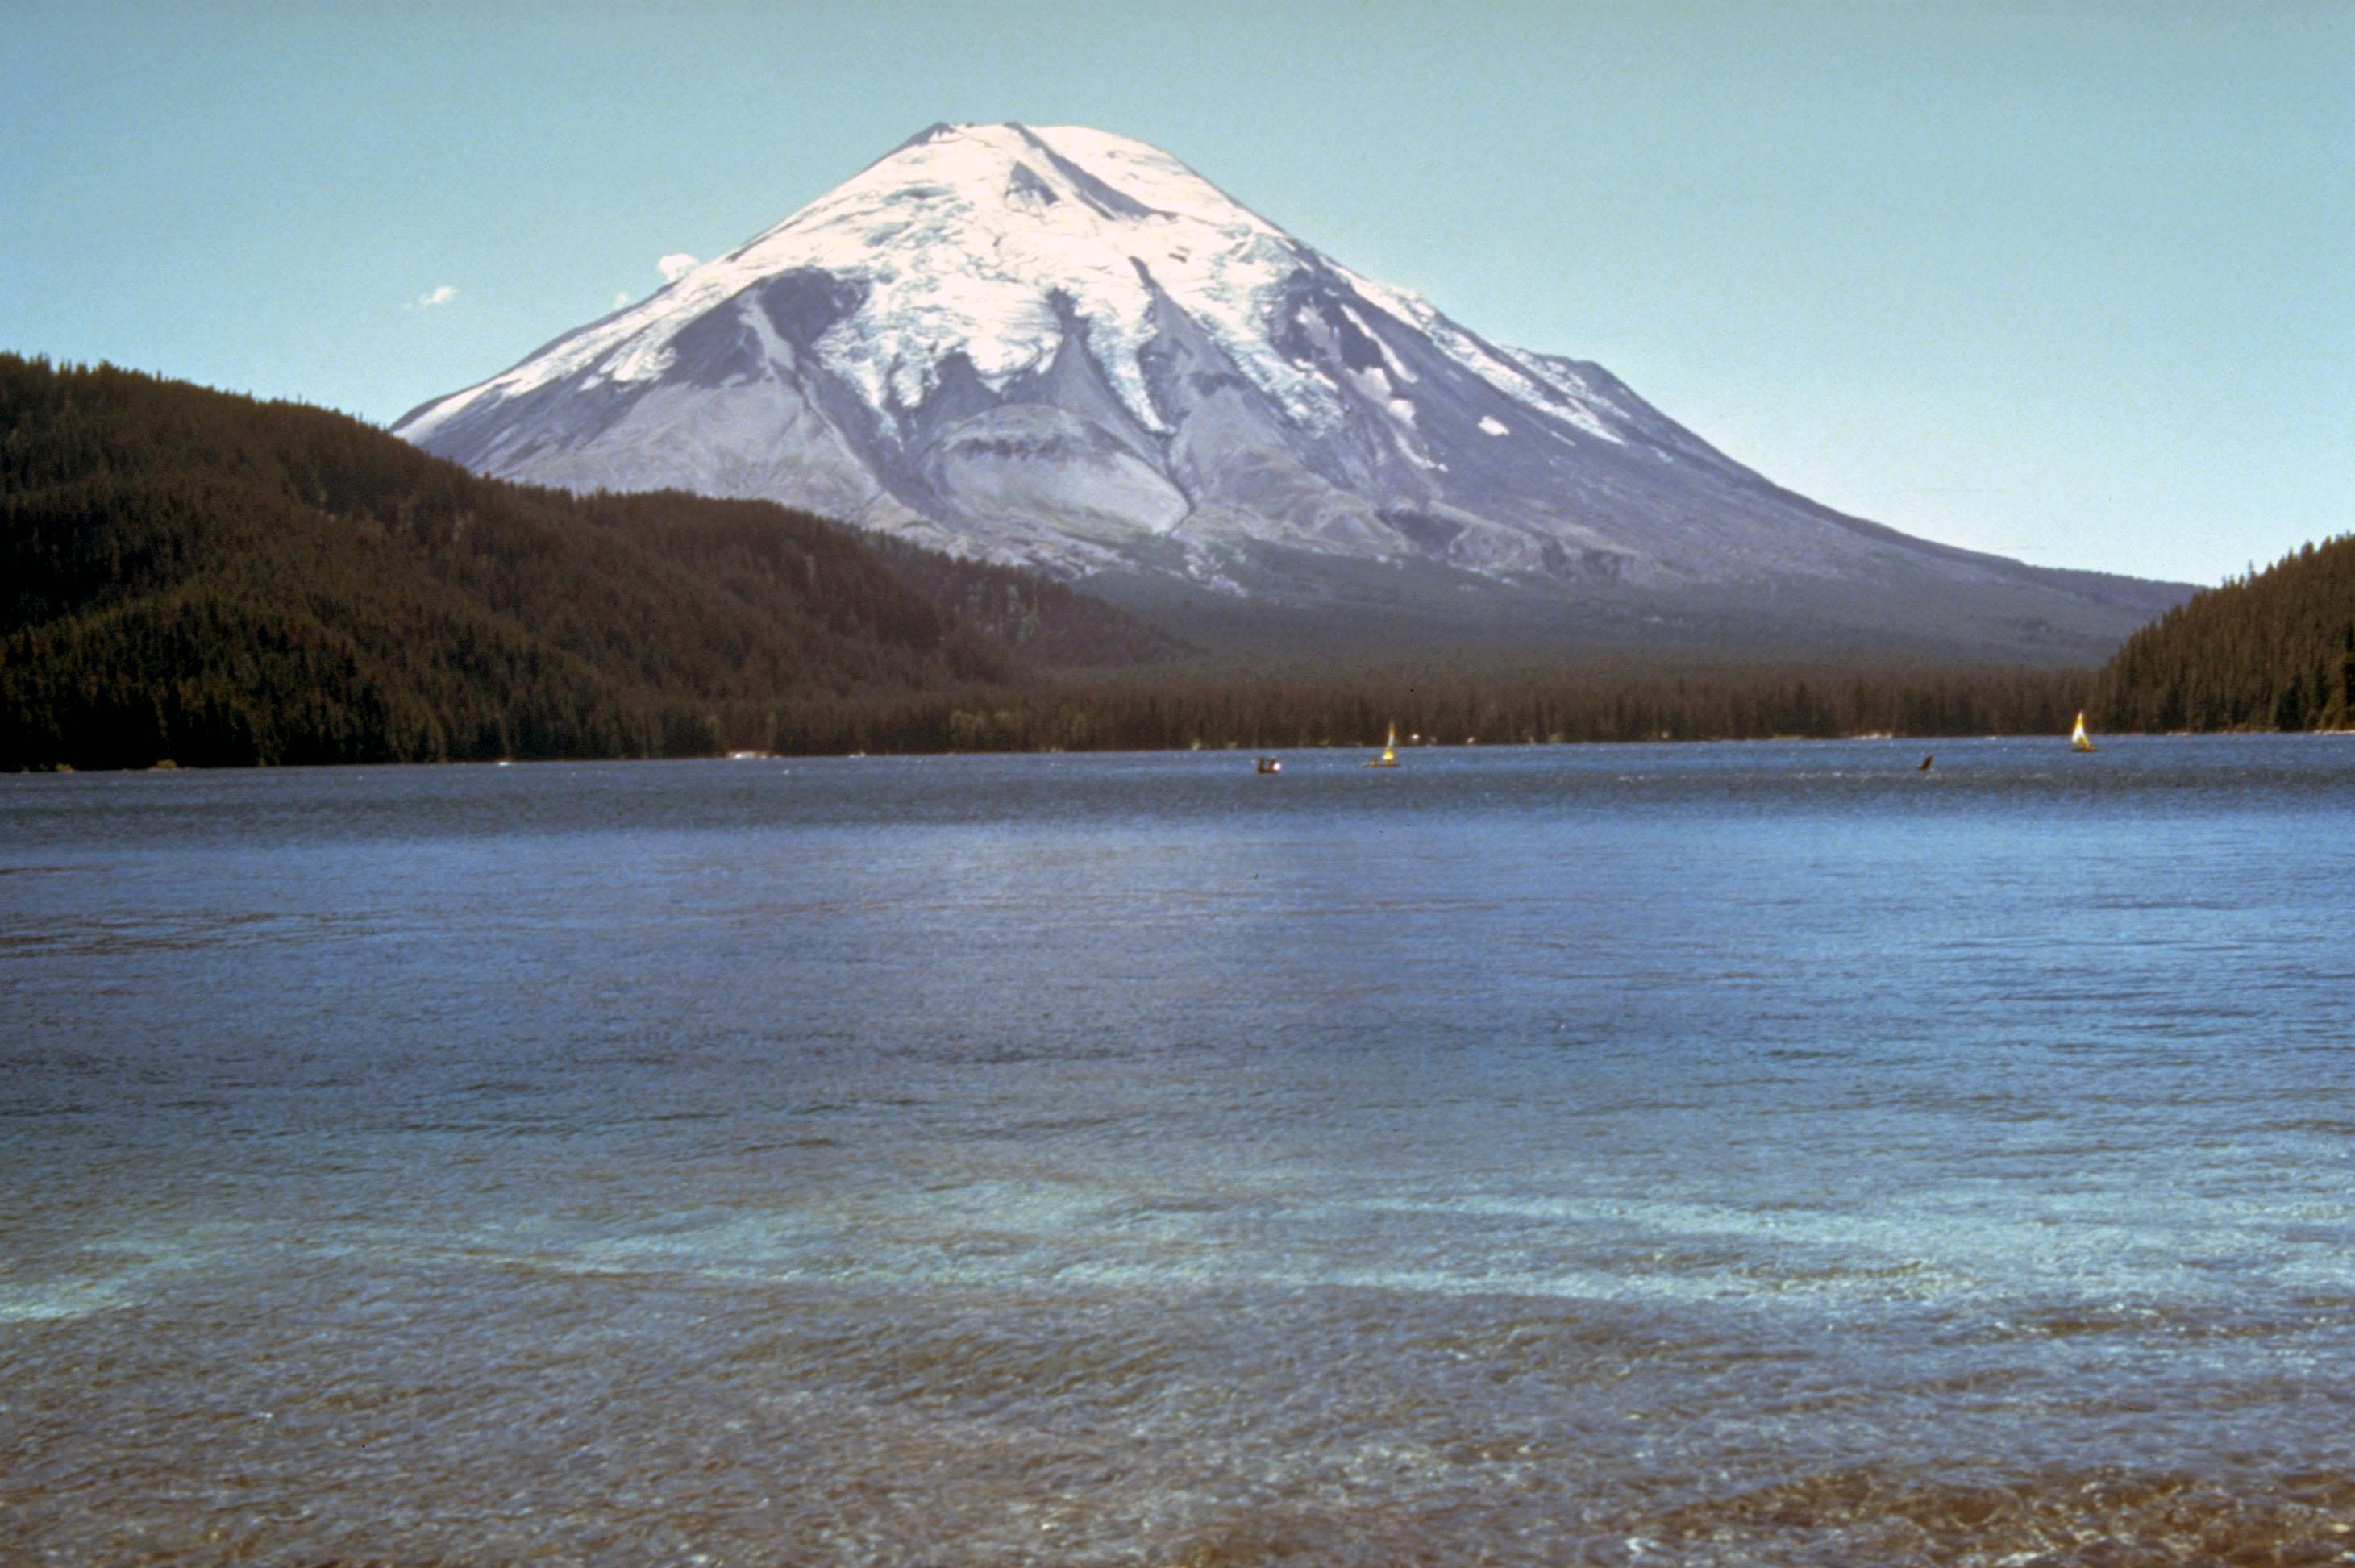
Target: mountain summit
<point x="1064" y="348"/>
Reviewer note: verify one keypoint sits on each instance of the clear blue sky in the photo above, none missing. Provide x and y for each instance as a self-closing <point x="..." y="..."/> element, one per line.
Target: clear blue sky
<point x="2073" y="282"/>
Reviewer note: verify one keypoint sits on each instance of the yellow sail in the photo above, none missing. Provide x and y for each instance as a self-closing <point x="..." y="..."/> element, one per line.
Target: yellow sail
<point x="1388" y="759"/>
<point x="2079" y="741"/>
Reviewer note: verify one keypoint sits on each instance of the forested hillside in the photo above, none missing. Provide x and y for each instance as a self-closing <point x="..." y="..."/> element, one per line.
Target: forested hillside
<point x="2274" y="650"/>
<point x="203" y="577"/>
<point x="191" y="575"/>
<point x="1037" y="617"/>
<point x="1176" y="709"/>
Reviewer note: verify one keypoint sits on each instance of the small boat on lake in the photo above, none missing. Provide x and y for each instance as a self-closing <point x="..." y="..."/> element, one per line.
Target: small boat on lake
<point x="2079" y="741"/>
<point x="1388" y="759"/>
<point x="1271" y="764"/>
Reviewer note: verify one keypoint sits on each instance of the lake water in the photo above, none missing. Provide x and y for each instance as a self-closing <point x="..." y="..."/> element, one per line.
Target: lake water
<point x="1746" y="1154"/>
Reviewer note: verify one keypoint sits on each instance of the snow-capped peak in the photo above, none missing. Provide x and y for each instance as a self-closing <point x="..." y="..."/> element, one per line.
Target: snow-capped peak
<point x="1062" y="348"/>
<point x="963" y="241"/>
<point x="1051" y="344"/>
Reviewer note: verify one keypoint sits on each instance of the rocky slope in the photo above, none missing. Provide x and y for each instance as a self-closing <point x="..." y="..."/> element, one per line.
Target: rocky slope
<point x="1062" y="348"/>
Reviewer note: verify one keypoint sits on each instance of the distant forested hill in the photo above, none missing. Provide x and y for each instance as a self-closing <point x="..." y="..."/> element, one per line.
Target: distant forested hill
<point x="192" y="575"/>
<point x="2274" y="650"/>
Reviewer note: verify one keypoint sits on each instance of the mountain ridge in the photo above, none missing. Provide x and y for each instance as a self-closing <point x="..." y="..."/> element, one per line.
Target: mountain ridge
<point x="1059" y="347"/>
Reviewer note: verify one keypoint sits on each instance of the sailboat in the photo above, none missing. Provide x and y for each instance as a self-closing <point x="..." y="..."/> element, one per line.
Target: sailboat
<point x="2078" y="742"/>
<point x="1388" y="759"/>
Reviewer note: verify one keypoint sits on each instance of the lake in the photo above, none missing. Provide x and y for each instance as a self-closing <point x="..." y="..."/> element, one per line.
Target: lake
<point x="1711" y="1154"/>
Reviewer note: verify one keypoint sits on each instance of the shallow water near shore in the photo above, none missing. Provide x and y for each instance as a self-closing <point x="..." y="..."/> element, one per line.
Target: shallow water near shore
<point x="1743" y="1154"/>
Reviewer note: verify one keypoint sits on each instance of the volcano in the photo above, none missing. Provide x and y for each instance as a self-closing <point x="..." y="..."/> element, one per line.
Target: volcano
<point x="1059" y="348"/>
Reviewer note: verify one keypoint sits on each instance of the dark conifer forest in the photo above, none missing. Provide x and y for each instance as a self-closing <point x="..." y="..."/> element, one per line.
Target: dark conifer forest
<point x="214" y="581"/>
<point x="217" y="581"/>
<point x="2274" y="650"/>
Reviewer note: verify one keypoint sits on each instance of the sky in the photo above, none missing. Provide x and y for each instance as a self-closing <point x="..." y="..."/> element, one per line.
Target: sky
<point x="2074" y="283"/>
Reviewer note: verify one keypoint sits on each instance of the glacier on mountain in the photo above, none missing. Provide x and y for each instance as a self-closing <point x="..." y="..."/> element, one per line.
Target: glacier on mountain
<point x="1065" y="349"/>
<point x="1040" y="345"/>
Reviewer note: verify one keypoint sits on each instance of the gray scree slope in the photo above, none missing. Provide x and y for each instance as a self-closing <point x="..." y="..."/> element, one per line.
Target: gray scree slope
<point x="1065" y="349"/>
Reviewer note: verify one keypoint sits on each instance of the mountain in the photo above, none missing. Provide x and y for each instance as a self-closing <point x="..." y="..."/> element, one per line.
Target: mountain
<point x="2274" y="650"/>
<point x="1062" y="348"/>
<point x="193" y="575"/>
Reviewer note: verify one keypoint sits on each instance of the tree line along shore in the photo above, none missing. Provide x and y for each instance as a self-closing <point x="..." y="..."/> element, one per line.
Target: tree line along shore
<point x="216" y="581"/>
